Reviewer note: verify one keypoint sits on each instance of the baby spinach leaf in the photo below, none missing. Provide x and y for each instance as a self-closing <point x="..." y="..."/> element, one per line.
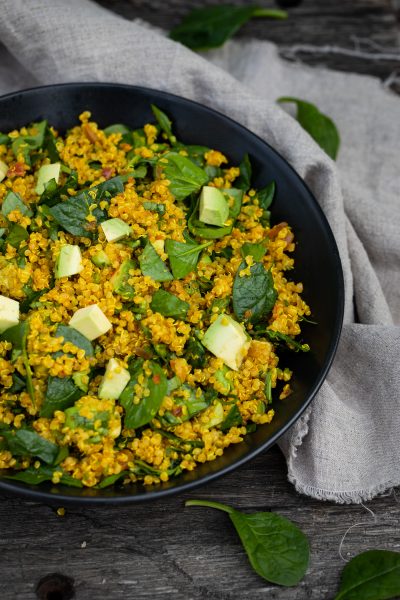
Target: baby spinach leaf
<point x="97" y="423"/>
<point x="152" y="265"/>
<point x="265" y="197"/>
<point x="4" y="139"/>
<point x="243" y="182"/>
<point x="117" y="128"/>
<point x="61" y="393"/>
<point x="16" y="235"/>
<point x="137" y="415"/>
<point x="183" y="256"/>
<point x="71" y="214"/>
<point x="17" y="336"/>
<point x="164" y="122"/>
<point x="253" y="295"/>
<point x="372" y="575"/>
<point x="210" y="27"/>
<point x="276" y="548"/>
<point x="18" y="383"/>
<point x="195" y="153"/>
<point x="257" y="251"/>
<point x="111" y="479"/>
<point x="195" y="353"/>
<point x="74" y="337"/>
<point x="34" y="476"/>
<point x="278" y="337"/>
<point x="25" y="442"/>
<point x="184" y="176"/>
<point x="155" y="206"/>
<point x="193" y="403"/>
<point x="25" y="144"/>
<point x="49" y="145"/>
<point x="232" y="419"/>
<point x="321" y="127"/>
<point x="53" y="192"/>
<point x="13" y="201"/>
<point x="169" y="305"/>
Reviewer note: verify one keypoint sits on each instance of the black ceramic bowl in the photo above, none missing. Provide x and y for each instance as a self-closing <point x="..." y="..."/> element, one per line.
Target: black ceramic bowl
<point x="316" y="256"/>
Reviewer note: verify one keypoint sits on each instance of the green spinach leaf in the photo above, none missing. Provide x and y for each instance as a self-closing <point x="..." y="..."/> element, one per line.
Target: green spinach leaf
<point x="193" y="403"/>
<point x="232" y="419"/>
<point x="13" y="201"/>
<point x="183" y="256"/>
<point x="243" y="182"/>
<point x="61" y="393"/>
<point x="169" y="305"/>
<point x="71" y="214"/>
<point x="25" y="442"/>
<point x="210" y="27"/>
<point x="372" y="575"/>
<point x="152" y="265"/>
<point x="164" y="122"/>
<point x="17" y="336"/>
<point x="155" y="206"/>
<point x="184" y="176"/>
<point x="276" y="548"/>
<point x="137" y="415"/>
<point x="4" y="139"/>
<point x="265" y="197"/>
<point x="257" y="251"/>
<point x="282" y="338"/>
<point x="320" y="127"/>
<point x="54" y="192"/>
<point x="253" y="295"/>
<point x="195" y="353"/>
<point x="111" y="479"/>
<point x="74" y="337"/>
<point x="268" y="387"/>
<point x="16" y="235"/>
<point x="34" y="476"/>
<point x="25" y="144"/>
<point x="49" y="145"/>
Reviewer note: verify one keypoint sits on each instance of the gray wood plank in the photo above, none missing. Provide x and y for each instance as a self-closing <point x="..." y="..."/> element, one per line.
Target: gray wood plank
<point x="163" y="550"/>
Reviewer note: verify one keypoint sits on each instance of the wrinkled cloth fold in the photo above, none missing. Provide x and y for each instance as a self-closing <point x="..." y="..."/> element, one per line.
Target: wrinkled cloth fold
<point x="345" y="448"/>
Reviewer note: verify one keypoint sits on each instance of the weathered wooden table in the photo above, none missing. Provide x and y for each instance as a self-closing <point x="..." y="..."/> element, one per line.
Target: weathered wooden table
<point x="162" y="550"/>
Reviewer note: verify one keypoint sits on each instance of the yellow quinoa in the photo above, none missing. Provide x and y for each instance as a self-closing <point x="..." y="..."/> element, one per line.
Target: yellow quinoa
<point x="141" y="389"/>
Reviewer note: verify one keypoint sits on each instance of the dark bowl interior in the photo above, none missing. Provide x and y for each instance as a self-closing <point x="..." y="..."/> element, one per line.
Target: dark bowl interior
<point x="317" y="262"/>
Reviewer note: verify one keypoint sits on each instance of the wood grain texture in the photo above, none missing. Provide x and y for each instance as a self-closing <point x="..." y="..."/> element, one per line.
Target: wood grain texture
<point x="328" y="29"/>
<point x="165" y="551"/>
<point x="162" y="550"/>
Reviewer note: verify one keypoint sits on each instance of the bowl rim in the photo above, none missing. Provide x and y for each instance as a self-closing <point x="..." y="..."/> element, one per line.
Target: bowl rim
<point x="16" y="488"/>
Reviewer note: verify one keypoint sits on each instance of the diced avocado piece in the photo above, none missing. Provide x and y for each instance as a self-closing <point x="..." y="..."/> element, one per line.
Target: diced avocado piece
<point x="159" y="246"/>
<point x="3" y="170"/>
<point x="115" y="229"/>
<point x="9" y="313"/>
<point x="215" y="415"/>
<point x="90" y="322"/>
<point x="225" y="384"/>
<point x="46" y="174"/>
<point x="120" y="280"/>
<point x="114" y="381"/>
<point x="69" y="261"/>
<point x="214" y="208"/>
<point x="227" y="339"/>
<point x="101" y="259"/>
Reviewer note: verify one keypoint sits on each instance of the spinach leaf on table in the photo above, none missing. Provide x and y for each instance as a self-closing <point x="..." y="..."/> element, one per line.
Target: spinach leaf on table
<point x="320" y="127"/>
<point x="25" y="442"/>
<point x="184" y="176"/>
<point x="210" y="27"/>
<point x="253" y="295"/>
<point x="137" y="415"/>
<point x="152" y="265"/>
<point x="372" y="575"/>
<point x="13" y="201"/>
<point x="71" y="214"/>
<point x="34" y="476"/>
<point x="164" y="122"/>
<point x="183" y="256"/>
<point x="276" y="548"/>
<point x="169" y="305"/>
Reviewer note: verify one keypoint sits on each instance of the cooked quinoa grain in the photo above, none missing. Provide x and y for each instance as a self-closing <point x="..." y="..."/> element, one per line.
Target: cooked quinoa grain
<point x="143" y="297"/>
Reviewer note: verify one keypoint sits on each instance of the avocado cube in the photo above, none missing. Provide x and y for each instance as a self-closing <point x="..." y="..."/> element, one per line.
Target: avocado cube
<point x="3" y="170"/>
<point x="214" y="208"/>
<point x="90" y="322"/>
<point x="227" y="339"/>
<point x="120" y="280"/>
<point x="47" y="173"/>
<point x="69" y="261"/>
<point x="115" y="229"/>
<point x="114" y="381"/>
<point x="9" y="313"/>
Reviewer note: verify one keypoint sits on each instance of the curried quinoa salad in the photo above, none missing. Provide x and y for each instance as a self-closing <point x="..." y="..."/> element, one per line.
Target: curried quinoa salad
<point x="143" y="301"/>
